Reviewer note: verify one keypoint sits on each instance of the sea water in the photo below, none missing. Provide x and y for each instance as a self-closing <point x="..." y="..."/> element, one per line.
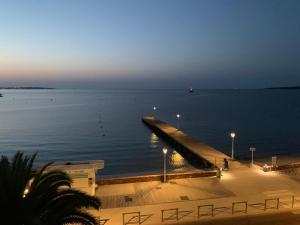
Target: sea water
<point x="64" y="125"/>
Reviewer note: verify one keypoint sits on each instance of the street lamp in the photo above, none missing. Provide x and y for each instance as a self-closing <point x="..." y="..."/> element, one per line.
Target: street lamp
<point x="165" y="151"/>
<point x="252" y="150"/>
<point x="154" y="109"/>
<point x="25" y="192"/>
<point x="178" y="116"/>
<point x="232" y="135"/>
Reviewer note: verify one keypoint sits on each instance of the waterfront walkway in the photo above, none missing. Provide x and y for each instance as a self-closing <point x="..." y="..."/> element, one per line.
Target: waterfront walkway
<point x="242" y="194"/>
<point x="250" y="185"/>
<point x="188" y="143"/>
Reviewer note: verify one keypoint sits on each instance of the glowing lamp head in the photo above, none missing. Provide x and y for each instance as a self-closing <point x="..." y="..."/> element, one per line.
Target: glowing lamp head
<point x="178" y="115"/>
<point x="154" y="108"/>
<point x="165" y="150"/>
<point x="232" y="135"/>
<point x="26" y="191"/>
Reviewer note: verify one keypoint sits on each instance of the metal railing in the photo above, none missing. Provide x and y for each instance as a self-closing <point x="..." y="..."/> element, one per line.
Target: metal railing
<point x="173" y="214"/>
<point x="271" y="201"/>
<point x="132" y="219"/>
<point x="102" y="221"/>
<point x="135" y="218"/>
<point x="170" y="217"/>
<point x="236" y="207"/>
<point x="210" y="210"/>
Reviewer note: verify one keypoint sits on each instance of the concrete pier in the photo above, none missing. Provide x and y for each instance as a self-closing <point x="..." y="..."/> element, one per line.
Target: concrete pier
<point x="186" y="143"/>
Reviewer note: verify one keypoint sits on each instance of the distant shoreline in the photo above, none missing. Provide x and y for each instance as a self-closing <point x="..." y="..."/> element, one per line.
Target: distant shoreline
<point x="26" y="88"/>
<point x="284" y="88"/>
<point x="267" y="88"/>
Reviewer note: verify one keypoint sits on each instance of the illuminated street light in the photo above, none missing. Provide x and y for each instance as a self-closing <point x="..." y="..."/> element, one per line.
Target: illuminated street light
<point x="252" y="150"/>
<point x="232" y="135"/>
<point x="165" y="151"/>
<point x="154" y="109"/>
<point x="178" y="117"/>
<point x="25" y="192"/>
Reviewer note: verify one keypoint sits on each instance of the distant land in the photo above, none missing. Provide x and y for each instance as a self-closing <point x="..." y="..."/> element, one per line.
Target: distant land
<point x="284" y="88"/>
<point x="26" y="88"/>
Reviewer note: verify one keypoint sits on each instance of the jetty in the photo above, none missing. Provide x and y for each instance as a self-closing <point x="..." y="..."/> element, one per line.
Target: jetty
<point x="189" y="145"/>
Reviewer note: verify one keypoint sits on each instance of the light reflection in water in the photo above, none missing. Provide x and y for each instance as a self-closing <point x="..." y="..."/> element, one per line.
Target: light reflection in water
<point x="177" y="160"/>
<point x="153" y="139"/>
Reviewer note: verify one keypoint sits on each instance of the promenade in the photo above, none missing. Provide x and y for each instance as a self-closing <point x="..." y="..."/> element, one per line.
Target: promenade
<point x="240" y="192"/>
<point x="184" y="196"/>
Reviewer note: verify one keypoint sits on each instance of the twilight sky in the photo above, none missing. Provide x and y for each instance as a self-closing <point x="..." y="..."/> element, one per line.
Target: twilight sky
<point x="150" y="43"/>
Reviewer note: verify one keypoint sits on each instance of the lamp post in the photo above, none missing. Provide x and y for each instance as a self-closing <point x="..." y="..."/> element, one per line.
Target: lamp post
<point x="232" y="135"/>
<point x="165" y="151"/>
<point x="252" y="150"/>
<point x="154" y="109"/>
<point x="178" y="117"/>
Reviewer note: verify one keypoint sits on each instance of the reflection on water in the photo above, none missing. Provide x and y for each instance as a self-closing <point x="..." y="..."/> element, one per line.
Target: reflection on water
<point x="154" y="140"/>
<point x="177" y="160"/>
<point x="60" y="129"/>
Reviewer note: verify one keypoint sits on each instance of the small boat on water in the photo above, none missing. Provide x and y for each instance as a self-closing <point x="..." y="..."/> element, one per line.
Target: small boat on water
<point x="1" y="95"/>
<point x="191" y="90"/>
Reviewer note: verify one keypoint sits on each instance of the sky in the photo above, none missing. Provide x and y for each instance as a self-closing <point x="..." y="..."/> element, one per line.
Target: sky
<point x="150" y="43"/>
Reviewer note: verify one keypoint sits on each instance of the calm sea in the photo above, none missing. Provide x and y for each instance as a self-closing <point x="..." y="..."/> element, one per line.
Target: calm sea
<point x="91" y="124"/>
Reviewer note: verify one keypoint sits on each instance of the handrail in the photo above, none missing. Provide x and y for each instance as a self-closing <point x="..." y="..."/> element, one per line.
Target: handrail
<point x="166" y="210"/>
<point x="132" y="213"/>
<point x="208" y="210"/>
<point x="270" y="200"/>
<point x="233" y="211"/>
<point x="211" y="206"/>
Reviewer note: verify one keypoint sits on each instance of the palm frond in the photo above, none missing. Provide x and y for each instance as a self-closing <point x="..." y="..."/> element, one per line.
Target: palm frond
<point x="50" y="200"/>
<point x="81" y="218"/>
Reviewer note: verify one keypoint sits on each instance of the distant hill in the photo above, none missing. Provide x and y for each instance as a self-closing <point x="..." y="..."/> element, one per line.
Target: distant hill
<point x="284" y="88"/>
<point x="26" y="88"/>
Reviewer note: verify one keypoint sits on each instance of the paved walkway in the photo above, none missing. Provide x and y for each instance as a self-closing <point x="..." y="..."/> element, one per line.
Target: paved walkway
<point x="149" y="198"/>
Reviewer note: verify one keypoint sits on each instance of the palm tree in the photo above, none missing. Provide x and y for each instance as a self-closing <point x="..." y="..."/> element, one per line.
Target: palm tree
<point x="29" y="197"/>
